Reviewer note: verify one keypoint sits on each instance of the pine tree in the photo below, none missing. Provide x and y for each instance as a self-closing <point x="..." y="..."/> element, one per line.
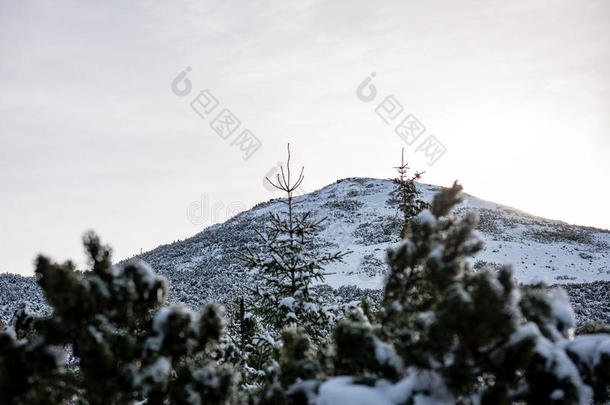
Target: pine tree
<point x="405" y="193"/>
<point x="285" y="266"/>
<point x="488" y="340"/>
<point x="299" y="360"/>
<point x="414" y="276"/>
<point x="251" y="348"/>
<point x="126" y="349"/>
<point x="450" y="334"/>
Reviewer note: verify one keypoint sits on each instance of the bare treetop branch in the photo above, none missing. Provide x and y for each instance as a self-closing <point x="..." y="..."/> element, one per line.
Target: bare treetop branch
<point x="284" y="181"/>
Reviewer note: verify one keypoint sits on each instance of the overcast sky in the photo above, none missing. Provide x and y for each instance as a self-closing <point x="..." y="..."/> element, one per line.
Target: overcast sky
<point x="93" y="137"/>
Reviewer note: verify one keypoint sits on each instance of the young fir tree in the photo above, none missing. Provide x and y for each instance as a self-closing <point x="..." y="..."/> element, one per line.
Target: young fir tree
<point x="126" y="352"/>
<point x="285" y="266"/>
<point x="405" y="193"/>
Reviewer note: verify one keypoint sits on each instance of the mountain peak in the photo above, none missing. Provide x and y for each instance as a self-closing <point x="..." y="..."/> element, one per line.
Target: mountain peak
<point x="360" y="217"/>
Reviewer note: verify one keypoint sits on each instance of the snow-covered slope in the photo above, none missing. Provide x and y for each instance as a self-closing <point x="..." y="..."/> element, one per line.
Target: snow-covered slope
<point x="364" y="222"/>
<point x="360" y="219"/>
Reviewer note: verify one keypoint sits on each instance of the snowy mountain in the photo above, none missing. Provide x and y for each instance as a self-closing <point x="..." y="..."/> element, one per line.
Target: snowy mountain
<point x="360" y="218"/>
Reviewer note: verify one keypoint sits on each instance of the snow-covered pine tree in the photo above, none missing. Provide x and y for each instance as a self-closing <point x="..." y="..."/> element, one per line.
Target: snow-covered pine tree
<point x="285" y="266"/>
<point x="299" y="360"/>
<point x="126" y="352"/>
<point x="250" y="348"/>
<point x="488" y="340"/>
<point x="452" y="335"/>
<point x="413" y="276"/>
<point x="405" y="193"/>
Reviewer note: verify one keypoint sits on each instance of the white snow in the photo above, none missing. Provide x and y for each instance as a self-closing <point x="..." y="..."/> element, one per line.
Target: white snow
<point x="437" y="253"/>
<point x="555" y="356"/>
<point x="287" y="302"/>
<point x="97" y="335"/>
<point x="385" y="354"/>
<point x="342" y="390"/>
<point x="159" y="370"/>
<point x="590" y="348"/>
<point x="557" y="394"/>
<point x="561" y="309"/>
<point x="160" y="320"/>
<point x="426" y="218"/>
